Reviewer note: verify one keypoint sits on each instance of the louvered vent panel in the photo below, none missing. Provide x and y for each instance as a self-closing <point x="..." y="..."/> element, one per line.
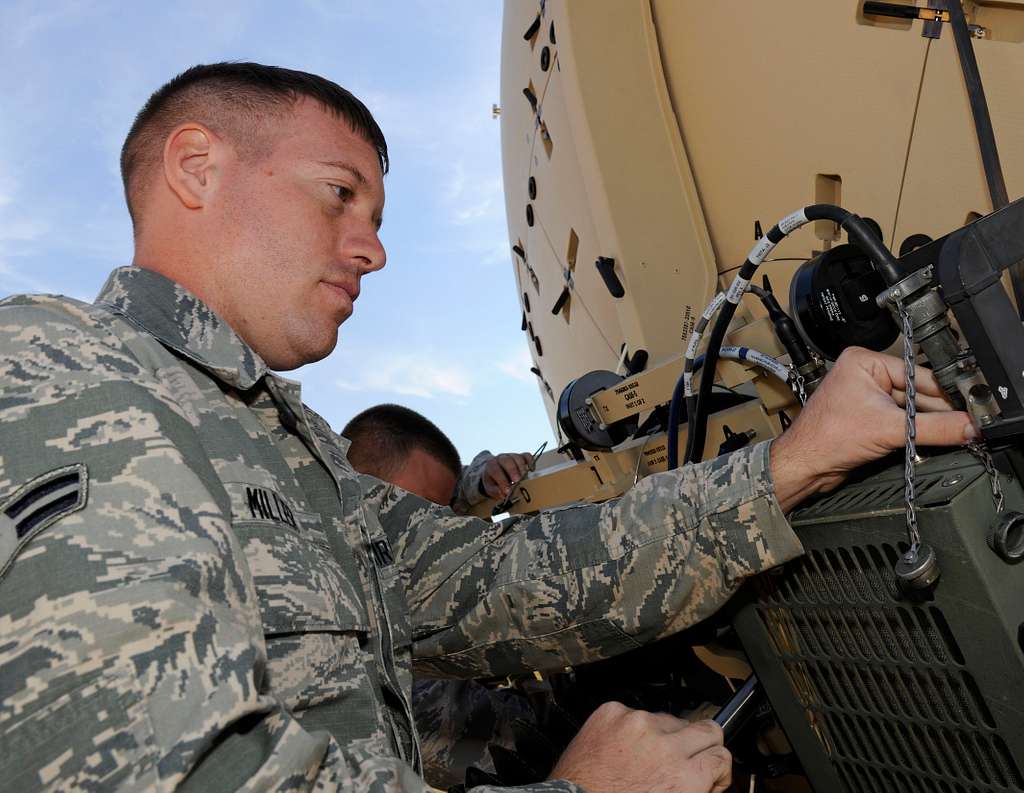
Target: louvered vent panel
<point x="882" y="683"/>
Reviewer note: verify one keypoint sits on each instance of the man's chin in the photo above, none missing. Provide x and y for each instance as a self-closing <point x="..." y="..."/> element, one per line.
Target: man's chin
<point x="322" y="350"/>
<point x="311" y="351"/>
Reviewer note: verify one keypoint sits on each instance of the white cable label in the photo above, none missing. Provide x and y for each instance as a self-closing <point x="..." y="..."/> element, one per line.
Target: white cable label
<point x="737" y="289"/>
<point x="688" y="384"/>
<point x="757" y="357"/>
<point x="760" y="250"/>
<point x="768" y="363"/>
<point x="691" y="348"/>
<point x="792" y="221"/>
<point x="713" y="306"/>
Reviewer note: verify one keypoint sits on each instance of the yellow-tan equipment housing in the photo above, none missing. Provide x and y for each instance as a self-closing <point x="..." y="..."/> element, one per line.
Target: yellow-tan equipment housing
<point x="642" y="139"/>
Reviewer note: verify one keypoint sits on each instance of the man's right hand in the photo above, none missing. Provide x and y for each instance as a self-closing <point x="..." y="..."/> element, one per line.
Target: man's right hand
<point x="857" y="416"/>
<point x="621" y="749"/>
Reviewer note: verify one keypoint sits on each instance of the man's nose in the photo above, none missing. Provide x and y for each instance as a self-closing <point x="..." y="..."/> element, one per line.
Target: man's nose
<point x="367" y="251"/>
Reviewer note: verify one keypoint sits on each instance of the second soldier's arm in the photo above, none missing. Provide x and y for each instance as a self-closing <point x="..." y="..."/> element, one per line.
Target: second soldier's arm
<point x="469" y="490"/>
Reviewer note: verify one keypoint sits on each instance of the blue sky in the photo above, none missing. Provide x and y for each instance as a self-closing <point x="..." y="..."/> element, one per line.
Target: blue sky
<point x="438" y="328"/>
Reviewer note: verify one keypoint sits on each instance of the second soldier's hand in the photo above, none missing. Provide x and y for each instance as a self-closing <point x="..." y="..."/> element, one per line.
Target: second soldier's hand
<point x="502" y="472"/>
<point x="620" y="749"/>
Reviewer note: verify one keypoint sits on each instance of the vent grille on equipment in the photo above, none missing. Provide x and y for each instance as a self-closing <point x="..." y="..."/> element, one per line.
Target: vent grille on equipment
<point x="882" y="682"/>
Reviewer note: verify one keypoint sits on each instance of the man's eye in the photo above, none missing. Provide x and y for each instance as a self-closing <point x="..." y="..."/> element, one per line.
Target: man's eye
<point x="342" y="192"/>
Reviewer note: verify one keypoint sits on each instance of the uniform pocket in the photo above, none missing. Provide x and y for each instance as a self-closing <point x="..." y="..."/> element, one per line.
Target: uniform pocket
<point x="314" y="622"/>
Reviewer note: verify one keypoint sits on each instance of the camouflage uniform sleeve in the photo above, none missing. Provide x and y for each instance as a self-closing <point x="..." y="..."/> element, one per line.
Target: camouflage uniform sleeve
<point x="468" y="491"/>
<point x="587" y="582"/>
<point x="131" y="645"/>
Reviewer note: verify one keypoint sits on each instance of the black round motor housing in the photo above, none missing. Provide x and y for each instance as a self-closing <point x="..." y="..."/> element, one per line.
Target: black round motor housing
<point x="832" y="299"/>
<point x="578" y="422"/>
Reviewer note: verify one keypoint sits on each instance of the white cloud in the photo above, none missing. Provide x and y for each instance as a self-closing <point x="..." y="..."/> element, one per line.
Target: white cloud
<point x="423" y="375"/>
<point x="20" y="229"/>
<point x="517" y="366"/>
<point x="25" y="21"/>
<point x="15" y="225"/>
<point x="12" y="282"/>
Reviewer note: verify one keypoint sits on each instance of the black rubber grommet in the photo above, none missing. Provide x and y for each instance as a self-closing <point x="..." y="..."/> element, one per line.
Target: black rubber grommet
<point x="1006" y="537"/>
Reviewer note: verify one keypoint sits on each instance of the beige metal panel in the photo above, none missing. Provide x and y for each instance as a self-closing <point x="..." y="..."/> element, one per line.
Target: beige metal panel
<point x="518" y="64"/>
<point x="613" y="171"/>
<point x="945" y="179"/>
<point x="610" y="99"/>
<point x="771" y="94"/>
<point x="566" y="355"/>
<point x="557" y="176"/>
<point x="655" y="385"/>
<point x="609" y="474"/>
<point x="637" y="177"/>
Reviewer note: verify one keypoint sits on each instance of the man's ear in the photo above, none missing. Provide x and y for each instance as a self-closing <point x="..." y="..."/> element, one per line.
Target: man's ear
<point x="190" y="163"/>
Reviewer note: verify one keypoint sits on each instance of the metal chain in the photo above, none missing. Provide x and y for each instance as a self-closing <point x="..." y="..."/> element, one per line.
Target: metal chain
<point x="911" y="450"/>
<point x="981" y="452"/>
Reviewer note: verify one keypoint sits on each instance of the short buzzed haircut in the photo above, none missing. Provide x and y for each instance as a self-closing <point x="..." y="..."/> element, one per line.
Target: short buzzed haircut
<point x="384" y="436"/>
<point x="233" y="100"/>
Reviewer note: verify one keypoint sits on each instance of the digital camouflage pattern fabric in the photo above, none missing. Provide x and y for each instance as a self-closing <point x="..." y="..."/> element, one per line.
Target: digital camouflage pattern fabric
<point x="232" y="606"/>
<point x="469" y="490"/>
<point x="458" y="720"/>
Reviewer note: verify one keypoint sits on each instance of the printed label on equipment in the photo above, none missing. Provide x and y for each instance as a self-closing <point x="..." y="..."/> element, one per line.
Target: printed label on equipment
<point x="736" y="289"/>
<point x="688" y="320"/>
<point x="760" y="250"/>
<point x="792" y="221"/>
<point x="656" y="456"/>
<point x="628" y="391"/>
<point x="830" y="305"/>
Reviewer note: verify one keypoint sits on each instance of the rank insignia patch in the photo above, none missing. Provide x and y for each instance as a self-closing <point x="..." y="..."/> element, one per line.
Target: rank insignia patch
<point x="37" y="504"/>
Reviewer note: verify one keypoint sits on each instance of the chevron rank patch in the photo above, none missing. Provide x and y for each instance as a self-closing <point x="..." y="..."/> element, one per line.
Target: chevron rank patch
<point x="39" y="503"/>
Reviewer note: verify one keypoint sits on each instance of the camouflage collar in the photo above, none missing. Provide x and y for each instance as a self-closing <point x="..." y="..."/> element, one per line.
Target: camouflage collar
<point x="180" y="320"/>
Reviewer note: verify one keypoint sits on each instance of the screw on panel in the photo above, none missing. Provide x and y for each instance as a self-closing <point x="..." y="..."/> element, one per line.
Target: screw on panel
<point x="531" y="188"/>
<point x="545" y="59"/>
<point x="529" y="214"/>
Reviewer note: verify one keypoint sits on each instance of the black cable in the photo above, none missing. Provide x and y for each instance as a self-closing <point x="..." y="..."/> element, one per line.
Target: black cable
<point x="672" y="428"/>
<point x="983" y="129"/>
<point x="785" y="328"/>
<point x="698" y="423"/>
<point x="858" y="233"/>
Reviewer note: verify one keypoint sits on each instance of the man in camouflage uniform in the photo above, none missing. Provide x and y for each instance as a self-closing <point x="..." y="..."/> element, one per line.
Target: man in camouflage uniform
<point x="456" y="719"/>
<point x="396" y="443"/>
<point x="197" y="591"/>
